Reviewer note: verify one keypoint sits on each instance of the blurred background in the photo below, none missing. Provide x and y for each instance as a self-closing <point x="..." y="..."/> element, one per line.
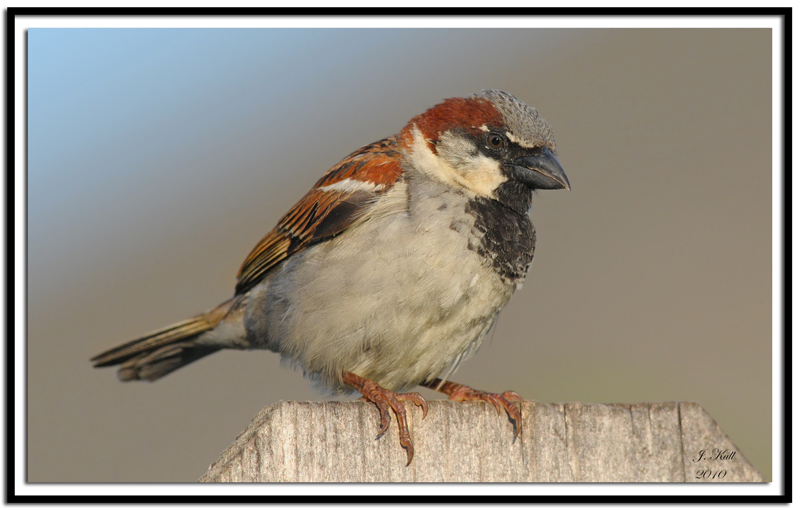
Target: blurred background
<point x="157" y="158"/>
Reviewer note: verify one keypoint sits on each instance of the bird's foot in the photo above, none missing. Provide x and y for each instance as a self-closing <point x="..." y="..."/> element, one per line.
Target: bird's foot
<point x="460" y="393"/>
<point x="384" y="400"/>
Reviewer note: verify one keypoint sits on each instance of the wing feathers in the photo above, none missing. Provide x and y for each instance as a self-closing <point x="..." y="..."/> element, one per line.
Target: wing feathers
<point x="343" y="194"/>
<point x="342" y="214"/>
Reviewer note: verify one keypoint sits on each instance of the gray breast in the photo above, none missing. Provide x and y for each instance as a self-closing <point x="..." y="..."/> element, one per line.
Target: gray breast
<point x="397" y="299"/>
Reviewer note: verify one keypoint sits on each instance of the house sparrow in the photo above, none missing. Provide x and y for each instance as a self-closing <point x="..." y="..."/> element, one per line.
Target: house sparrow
<point x="391" y="270"/>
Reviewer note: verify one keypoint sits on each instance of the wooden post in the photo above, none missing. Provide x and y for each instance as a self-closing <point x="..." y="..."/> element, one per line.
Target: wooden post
<point x="469" y="442"/>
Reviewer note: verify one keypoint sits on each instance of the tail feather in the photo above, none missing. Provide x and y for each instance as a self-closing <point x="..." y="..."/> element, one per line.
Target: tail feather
<point x="155" y="365"/>
<point x="152" y="341"/>
<point x="158" y="353"/>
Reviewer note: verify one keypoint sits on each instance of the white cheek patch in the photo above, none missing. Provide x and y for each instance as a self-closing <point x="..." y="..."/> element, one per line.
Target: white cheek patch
<point x="458" y="163"/>
<point x="482" y="175"/>
<point x="352" y="185"/>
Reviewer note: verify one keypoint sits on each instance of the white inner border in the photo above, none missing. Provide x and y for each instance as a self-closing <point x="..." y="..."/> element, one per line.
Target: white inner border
<point x="21" y="24"/>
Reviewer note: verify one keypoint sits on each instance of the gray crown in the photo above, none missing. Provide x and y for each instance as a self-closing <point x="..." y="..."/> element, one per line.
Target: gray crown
<point x="524" y="122"/>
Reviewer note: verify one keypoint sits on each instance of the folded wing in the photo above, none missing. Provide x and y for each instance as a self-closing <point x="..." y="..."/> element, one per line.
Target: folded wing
<point x="343" y="195"/>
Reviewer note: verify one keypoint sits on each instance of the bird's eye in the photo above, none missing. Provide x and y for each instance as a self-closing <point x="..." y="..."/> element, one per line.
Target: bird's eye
<point x="495" y="141"/>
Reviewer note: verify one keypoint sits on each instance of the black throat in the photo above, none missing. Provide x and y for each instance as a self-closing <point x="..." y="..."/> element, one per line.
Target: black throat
<point x="515" y="195"/>
<point x="506" y="235"/>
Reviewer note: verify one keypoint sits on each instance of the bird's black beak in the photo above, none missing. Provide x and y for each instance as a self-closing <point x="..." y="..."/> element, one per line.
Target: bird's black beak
<point x="541" y="171"/>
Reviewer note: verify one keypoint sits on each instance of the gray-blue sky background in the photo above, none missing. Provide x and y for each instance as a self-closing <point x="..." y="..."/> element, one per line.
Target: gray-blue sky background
<point x="158" y="158"/>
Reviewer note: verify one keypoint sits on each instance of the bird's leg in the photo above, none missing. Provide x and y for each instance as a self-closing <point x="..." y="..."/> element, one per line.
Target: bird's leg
<point x="461" y="393"/>
<point x="385" y="399"/>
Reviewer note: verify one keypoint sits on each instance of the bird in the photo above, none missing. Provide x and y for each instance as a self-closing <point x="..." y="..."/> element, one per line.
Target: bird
<point x="390" y="272"/>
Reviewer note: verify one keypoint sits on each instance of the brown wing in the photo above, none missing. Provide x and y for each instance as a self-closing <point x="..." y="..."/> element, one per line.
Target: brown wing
<point x="340" y="197"/>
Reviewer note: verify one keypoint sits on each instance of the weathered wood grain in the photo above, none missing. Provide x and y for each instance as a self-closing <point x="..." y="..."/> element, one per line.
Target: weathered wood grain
<point x="469" y="442"/>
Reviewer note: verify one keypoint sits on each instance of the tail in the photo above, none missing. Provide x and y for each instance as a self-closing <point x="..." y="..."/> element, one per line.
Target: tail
<point x="157" y="354"/>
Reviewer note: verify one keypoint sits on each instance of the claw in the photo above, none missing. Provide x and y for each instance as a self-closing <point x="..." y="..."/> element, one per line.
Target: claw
<point x="492" y="399"/>
<point x="416" y="399"/>
<point x="385" y="399"/>
<point x="386" y="419"/>
<point x="512" y="395"/>
<point x="461" y="393"/>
